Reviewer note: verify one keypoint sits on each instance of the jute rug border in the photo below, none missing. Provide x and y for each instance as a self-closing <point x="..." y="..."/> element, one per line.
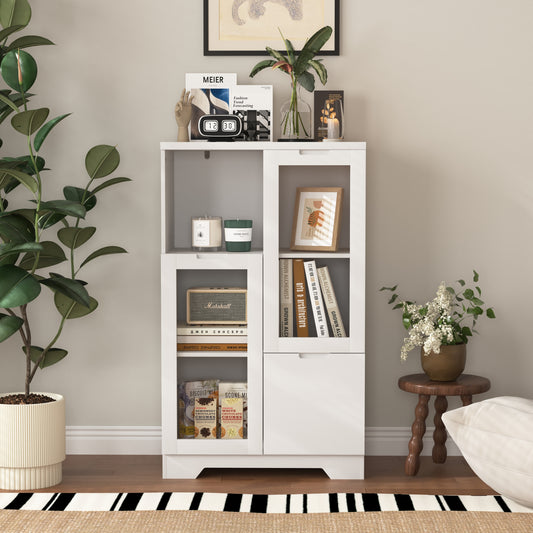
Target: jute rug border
<point x="224" y="522"/>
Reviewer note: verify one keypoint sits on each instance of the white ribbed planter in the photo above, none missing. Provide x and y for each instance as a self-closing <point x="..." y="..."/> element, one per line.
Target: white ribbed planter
<point x="32" y="444"/>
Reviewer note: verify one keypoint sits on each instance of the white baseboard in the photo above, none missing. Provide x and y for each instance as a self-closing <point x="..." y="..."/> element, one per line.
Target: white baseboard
<point x="146" y="440"/>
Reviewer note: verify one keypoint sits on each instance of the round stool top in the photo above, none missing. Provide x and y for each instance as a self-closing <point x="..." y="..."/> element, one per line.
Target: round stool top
<point x="464" y="384"/>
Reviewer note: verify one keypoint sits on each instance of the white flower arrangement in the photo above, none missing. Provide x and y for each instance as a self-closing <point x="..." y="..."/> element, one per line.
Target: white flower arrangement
<point x="440" y="321"/>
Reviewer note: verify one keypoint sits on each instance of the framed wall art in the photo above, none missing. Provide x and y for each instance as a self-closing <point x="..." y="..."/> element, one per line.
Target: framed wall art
<point x="245" y="27"/>
<point x="317" y="212"/>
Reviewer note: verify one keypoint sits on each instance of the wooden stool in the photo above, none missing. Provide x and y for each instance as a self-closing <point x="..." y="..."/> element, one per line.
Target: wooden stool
<point x="465" y="386"/>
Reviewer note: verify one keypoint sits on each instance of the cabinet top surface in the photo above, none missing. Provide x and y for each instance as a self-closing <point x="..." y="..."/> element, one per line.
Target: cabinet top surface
<point x="261" y="146"/>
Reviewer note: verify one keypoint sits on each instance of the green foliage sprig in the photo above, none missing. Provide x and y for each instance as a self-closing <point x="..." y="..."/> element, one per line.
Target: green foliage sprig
<point x="450" y="318"/>
<point x="30" y="242"/>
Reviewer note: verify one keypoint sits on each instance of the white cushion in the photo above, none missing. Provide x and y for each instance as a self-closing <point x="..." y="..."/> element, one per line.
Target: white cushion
<point x="495" y="437"/>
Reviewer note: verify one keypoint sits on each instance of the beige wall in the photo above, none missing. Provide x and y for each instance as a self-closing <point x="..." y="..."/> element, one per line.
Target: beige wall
<point x="441" y="91"/>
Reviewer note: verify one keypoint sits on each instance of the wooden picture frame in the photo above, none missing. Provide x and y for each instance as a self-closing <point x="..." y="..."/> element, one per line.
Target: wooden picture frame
<point x="316" y="221"/>
<point x="232" y="27"/>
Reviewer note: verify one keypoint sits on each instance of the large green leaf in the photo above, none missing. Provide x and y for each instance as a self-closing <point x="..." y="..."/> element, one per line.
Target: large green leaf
<point x="307" y="81"/>
<point x="17" y="287"/>
<point x="6" y="100"/>
<point x="14" y="248"/>
<point x="16" y="228"/>
<point x="49" y="219"/>
<point x="106" y="250"/>
<point x="311" y="48"/>
<point x="28" y="122"/>
<point x="26" y="180"/>
<point x="76" y="194"/>
<point x="53" y="355"/>
<point x="45" y="130"/>
<point x="108" y="183"/>
<point x="25" y="163"/>
<point x="320" y="69"/>
<point x="262" y="65"/>
<point x="63" y="207"/>
<point x="72" y="288"/>
<point x="101" y="160"/>
<point x="277" y="55"/>
<point x="10" y="70"/>
<point x="14" y="12"/>
<point x="70" y="309"/>
<point x="75" y="237"/>
<point x="6" y="32"/>
<point x="27" y="41"/>
<point x="9" y="324"/>
<point x="51" y="254"/>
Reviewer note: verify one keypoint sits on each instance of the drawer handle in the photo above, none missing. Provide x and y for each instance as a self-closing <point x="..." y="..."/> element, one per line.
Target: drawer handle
<point x="312" y="355"/>
<point x="314" y="152"/>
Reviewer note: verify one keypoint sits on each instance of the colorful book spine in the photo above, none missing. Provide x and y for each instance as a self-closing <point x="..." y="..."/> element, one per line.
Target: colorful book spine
<point x="285" y="298"/>
<point x="211" y="329"/>
<point x="317" y="304"/>
<point x="330" y="301"/>
<point x="300" y="298"/>
<point x="212" y="347"/>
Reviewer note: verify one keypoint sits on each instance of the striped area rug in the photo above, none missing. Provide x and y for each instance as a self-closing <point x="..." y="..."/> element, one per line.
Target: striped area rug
<point x="254" y="503"/>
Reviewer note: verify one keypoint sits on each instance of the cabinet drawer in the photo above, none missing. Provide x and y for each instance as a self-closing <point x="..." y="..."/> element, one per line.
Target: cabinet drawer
<point x="314" y="404"/>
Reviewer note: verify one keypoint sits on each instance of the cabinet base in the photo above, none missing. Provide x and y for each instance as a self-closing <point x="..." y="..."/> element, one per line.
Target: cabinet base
<point x="335" y="466"/>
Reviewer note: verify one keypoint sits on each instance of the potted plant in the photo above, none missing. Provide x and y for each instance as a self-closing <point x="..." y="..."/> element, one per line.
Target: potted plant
<point x="294" y="126"/>
<point x="37" y="235"/>
<point x="442" y="326"/>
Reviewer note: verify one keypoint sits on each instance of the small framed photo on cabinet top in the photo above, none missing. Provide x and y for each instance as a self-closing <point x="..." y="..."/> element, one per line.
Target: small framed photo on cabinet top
<point x="316" y="221"/>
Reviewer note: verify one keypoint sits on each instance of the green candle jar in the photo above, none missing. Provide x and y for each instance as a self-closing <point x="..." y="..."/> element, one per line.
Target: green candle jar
<point x="238" y="235"/>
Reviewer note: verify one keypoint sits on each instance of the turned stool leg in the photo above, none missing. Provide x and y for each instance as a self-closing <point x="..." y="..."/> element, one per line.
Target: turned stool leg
<point x="412" y="463"/>
<point x="439" y="435"/>
<point x="467" y="399"/>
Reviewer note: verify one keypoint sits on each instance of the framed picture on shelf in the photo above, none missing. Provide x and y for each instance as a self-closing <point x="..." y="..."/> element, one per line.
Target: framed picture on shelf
<point x="317" y="212"/>
<point x="246" y="27"/>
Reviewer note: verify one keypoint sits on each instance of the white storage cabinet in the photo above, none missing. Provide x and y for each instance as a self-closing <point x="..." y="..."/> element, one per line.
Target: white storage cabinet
<point x="305" y="395"/>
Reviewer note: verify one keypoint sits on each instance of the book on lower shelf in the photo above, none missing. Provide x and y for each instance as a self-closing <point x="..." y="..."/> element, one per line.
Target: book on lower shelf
<point x="285" y="298"/>
<point x="211" y="329"/>
<point x="315" y="295"/>
<point x="211" y="347"/>
<point x="300" y="298"/>
<point x="330" y="301"/>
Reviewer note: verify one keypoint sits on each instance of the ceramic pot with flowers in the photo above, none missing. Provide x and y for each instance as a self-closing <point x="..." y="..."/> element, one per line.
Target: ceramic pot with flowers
<point x="442" y="326"/>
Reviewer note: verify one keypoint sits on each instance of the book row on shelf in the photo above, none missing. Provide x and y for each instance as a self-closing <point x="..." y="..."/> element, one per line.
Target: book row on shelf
<point x="307" y="290"/>
<point x="212" y="409"/>
<point x="212" y="337"/>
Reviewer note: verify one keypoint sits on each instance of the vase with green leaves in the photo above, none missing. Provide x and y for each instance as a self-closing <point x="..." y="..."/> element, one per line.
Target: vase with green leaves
<point x="442" y="325"/>
<point x="41" y="236"/>
<point x="295" y="122"/>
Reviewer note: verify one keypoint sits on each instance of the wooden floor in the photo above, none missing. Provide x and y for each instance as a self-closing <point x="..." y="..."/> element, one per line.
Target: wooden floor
<point x="131" y="473"/>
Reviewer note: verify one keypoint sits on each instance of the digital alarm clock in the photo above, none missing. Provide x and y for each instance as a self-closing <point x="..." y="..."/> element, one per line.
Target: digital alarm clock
<point x="219" y="127"/>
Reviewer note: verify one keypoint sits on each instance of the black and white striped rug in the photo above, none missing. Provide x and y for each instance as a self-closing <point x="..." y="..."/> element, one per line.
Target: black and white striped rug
<point x="254" y="503"/>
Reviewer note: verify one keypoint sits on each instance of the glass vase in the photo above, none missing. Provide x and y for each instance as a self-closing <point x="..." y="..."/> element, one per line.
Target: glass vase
<point x="295" y="117"/>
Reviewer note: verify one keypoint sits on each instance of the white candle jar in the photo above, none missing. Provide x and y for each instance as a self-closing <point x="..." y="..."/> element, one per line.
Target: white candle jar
<point x="206" y="233"/>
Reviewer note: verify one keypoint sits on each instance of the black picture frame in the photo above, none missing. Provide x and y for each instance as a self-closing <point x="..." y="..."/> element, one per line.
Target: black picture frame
<point x="243" y="47"/>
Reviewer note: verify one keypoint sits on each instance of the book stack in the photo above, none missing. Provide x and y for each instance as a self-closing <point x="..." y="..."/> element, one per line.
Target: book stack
<point x="212" y="337"/>
<point x="307" y="291"/>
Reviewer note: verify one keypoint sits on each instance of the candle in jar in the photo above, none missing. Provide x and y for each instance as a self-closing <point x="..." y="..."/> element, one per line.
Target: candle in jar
<point x="206" y="233"/>
<point x="238" y="235"/>
<point x="333" y="128"/>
